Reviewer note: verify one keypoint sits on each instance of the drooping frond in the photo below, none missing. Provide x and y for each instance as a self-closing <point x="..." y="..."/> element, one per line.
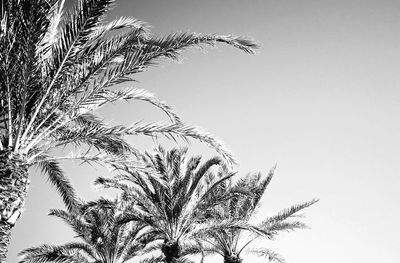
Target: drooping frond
<point x="56" y="177"/>
<point x="106" y="96"/>
<point x="170" y="45"/>
<point x="95" y="135"/>
<point x="184" y="131"/>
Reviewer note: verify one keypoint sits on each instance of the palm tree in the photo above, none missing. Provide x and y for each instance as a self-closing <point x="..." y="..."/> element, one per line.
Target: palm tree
<point x="106" y="236"/>
<point x="173" y="195"/>
<point x="227" y="242"/>
<point x="56" y="70"/>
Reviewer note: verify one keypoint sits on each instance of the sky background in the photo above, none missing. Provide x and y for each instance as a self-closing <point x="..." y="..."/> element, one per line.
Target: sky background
<point x="321" y="99"/>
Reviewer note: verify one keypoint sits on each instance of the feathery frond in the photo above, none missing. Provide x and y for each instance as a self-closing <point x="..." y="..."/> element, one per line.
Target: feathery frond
<point x="245" y="195"/>
<point x="268" y="254"/>
<point x="56" y="177"/>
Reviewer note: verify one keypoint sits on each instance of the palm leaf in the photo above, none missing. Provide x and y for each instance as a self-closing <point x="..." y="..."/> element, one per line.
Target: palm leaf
<point x="53" y="254"/>
<point x="268" y="254"/>
<point x="287" y="213"/>
<point x="56" y="177"/>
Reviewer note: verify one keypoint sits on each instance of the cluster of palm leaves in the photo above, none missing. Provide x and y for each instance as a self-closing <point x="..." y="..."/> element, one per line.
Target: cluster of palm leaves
<point x="176" y="207"/>
<point x="58" y="67"/>
<point x="106" y="236"/>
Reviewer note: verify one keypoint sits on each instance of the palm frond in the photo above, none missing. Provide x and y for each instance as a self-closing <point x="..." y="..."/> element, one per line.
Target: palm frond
<point x="106" y="96"/>
<point x="117" y="24"/>
<point x="81" y="247"/>
<point x="78" y="224"/>
<point x="54" y="16"/>
<point x="56" y="177"/>
<point x="170" y="45"/>
<point x="277" y="227"/>
<point x="152" y="259"/>
<point x="217" y="225"/>
<point x="173" y="130"/>
<point x="100" y="137"/>
<point x="270" y="255"/>
<point x="287" y="213"/>
<point x="52" y="254"/>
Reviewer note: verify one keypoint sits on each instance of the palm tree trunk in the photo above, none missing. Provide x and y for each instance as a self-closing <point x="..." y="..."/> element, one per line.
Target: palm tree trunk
<point x="232" y="259"/>
<point x="171" y="250"/>
<point x="13" y="188"/>
<point x="5" y="236"/>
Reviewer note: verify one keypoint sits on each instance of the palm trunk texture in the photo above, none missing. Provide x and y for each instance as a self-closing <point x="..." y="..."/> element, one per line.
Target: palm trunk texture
<point x="13" y="188"/>
<point x="171" y="251"/>
<point x="232" y="259"/>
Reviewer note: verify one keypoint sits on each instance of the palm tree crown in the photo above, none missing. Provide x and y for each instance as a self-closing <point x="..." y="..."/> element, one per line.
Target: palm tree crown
<point x="57" y="69"/>
<point x="249" y="191"/>
<point x="173" y="193"/>
<point x="106" y="236"/>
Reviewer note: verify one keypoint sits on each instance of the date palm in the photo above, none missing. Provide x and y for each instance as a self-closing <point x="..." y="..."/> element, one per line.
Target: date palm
<point x="56" y="69"/>
<point x="227" y="242"/>
<point x="172" y="195"/>
<point x="105" y="236"/>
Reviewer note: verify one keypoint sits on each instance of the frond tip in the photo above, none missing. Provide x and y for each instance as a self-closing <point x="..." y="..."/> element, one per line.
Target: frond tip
<point x="270" y="255"/>
<point x="184" y="131"/>
<point x="242" y="43"/>
<point x="288" y="213"/>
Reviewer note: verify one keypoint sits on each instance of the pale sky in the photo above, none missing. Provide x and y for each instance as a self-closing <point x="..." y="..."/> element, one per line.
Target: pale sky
<point x="321" y="99"/>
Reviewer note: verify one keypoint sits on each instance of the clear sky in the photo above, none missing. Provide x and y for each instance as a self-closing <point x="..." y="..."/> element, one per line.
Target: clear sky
<point x="321" y="99"/>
